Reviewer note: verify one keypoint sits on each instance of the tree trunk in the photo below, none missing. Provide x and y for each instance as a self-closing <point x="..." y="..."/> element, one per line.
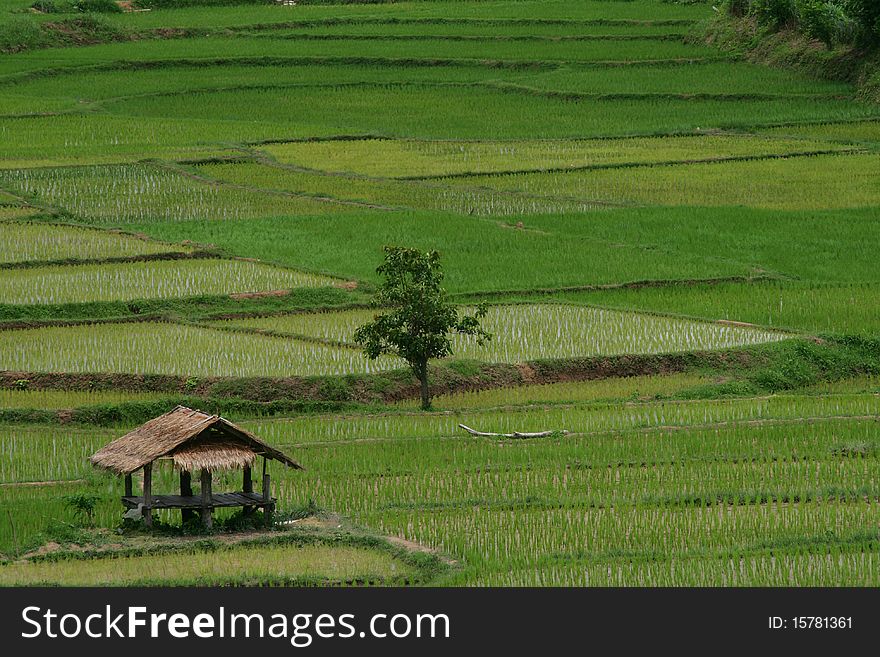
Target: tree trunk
<point x="423" y="379"/>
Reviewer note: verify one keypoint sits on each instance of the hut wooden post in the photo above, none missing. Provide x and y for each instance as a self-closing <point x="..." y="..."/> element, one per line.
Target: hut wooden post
<point x="128" y="491"/>
<point x="267" y="495"/>
<point x="247" y="483"/>
<point x="186" y="490"/>
<point x="207" y="509"/>
<point x="247" y="487"/>
<point x="148" y="495"/>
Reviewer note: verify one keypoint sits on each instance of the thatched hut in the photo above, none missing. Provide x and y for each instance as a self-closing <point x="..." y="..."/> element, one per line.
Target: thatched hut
<point x="192" y="440"/>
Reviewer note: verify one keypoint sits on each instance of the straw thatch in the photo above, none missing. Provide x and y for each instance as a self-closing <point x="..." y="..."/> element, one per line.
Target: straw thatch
<point x="192" y="439"/>
<point x="212" y="456"/>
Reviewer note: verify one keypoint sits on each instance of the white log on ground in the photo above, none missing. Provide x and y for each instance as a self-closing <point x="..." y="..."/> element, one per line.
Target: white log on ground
<point x="515" y="434"/>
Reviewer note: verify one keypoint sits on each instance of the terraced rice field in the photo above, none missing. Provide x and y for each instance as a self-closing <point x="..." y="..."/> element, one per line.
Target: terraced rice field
<point x="164" y="348"/>
<point x="529" y="332"/>
<point x="24" y="242"/>
<point x="143" y="280"/>
<point x="678" y="249"/>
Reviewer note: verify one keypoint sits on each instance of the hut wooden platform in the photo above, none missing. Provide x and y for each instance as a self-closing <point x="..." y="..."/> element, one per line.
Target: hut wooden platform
<point x="191" y="440"/>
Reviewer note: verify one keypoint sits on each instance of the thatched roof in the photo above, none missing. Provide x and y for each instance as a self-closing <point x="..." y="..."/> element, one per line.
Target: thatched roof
<point x="192" y="439"/>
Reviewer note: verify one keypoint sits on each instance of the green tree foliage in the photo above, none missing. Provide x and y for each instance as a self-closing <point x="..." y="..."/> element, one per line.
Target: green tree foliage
<point x="419" y="317"/>
<point x="831" y="21"/>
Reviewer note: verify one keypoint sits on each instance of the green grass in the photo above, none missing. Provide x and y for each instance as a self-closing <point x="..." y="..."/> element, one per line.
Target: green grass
<point x="477" y="255"/>
<point x="405" y="158"/>
<point x="697" y="78"/>
<point x="458" y="112"/>
<point x="66" y="399"/>
<point x="630" y="388"/>
<point x="22" y="242"/>
<point x="867" y="132"/>
<point x="13" y="211"/>
<point x="162" y="348"/>
<point x="819" y="245"/>
<point x="801" y="183"/>
<point x="128" y="193"/>
<point x="147" y="280"/>
<point x="803" y="307"/>
<point x="531" y="332"/>
<point x="487" y="28"/>
<point x="234" y="565"/>
<point x="556" y="10"/>
<point x="521" y="333"/>
<point x="113" y="79"/>
<point x="386" y="193"/>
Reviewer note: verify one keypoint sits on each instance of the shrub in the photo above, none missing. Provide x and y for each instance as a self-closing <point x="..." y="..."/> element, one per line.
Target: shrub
<point x="826" y="21"/>
<point x="98" y="6"/>
<point x="777" y="13"/>
<point x="83" y="506"/>
<point x="738" y="7"/>
<point x="21" y="34"/>
<point x="867" y="14"/>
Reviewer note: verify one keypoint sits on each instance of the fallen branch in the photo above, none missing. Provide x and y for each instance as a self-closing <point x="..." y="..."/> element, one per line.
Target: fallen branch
<point x="515" y="434"/>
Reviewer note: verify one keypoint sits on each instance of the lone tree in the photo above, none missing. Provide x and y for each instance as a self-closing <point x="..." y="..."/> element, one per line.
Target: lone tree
<point x="419" y="317"/>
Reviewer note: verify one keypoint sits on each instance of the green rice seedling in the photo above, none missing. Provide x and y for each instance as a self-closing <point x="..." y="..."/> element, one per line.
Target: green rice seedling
<point x="63" y="399"/>
<point x="14" y="211"/>
<point x="870" y="383"/>
<point x="456" y="111"/>
<point x="46" y="454"/>
<point x="820" y="246"/>
<point x="485" y="28"/>
<point x="20" y="242"/>
<point x="857" y="568"/>
<point x="387" y="193"/>
<point x="488" y="255"/>
<point x="406" y="158"/>
<point x="852" y="132"/>
<point x="566" y="50"/>
<point x="143" y="280"/>
<point x="127" y="193"/>
<point x="514" y="12"/>
<point x="582" y="418"/>
<point x="84" y="139"/>
<point x="160" y="348"/>
<point x="636" y="387"/>
<point x="236" y="565"/>
<point x="705" y="77"/>
<point x="529" y="332"/>
<point x="97" y="137"/>
<point x="16" y="105"/>
<point x="847" y="308"/>
<point x="819" y="182"/>
<point x="274" y="44"/>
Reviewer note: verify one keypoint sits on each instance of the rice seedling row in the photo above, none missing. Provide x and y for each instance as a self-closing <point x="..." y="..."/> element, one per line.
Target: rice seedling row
<point x="406" y="158"/>
<point x="818" y="182"/>
<point x="143" y="280"/>
<point x="236" y="565"/>
<point x="457" y="112"/>
<point x="631" y="388"/>
<point x="529" y="332"/>
<point x="577" y="418"/>
<point x="51" y="399"/>
<point x="137" y="193"/>
<point x="20" y="242"/>
<point x="387" y="193"/>
<point x="807" y="307"/>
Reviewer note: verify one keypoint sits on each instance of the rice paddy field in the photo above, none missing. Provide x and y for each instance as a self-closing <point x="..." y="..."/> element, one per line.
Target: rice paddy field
<point x="677" y="247"/>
